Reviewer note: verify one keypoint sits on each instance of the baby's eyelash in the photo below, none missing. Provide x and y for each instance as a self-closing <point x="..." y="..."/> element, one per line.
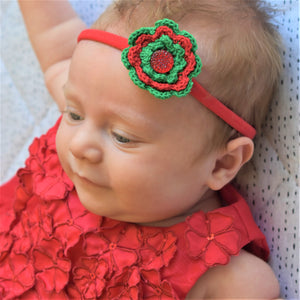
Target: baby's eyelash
<point x="121" y="139"/>
<point x="75" y="117"/>
<point x="72" y="115"/>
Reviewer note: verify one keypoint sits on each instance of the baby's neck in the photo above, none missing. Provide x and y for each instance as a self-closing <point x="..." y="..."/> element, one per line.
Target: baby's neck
<point x="210" y="201"/>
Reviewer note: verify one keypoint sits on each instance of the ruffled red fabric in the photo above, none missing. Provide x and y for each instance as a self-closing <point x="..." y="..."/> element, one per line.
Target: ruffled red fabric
<point x="53" y="248"/>
<point x="210" y="242"/>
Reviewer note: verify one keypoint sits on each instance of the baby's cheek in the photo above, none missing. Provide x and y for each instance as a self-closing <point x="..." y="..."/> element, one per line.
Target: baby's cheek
<point x="61" y="148"/>
<point x="58" y="142"/>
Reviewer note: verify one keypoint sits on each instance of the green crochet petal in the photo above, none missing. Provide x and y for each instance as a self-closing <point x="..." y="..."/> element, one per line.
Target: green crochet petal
<point x="169" y="23"/>
<point x="186" y="63"/>
<point x="124" y="58"/>
<point x="135" y="35"/>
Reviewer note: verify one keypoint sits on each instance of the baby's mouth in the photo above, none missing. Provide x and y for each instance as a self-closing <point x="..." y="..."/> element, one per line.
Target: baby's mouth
<point x="88" y="181"/>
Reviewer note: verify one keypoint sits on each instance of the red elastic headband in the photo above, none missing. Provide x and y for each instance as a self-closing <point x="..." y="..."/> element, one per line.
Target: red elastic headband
<point x="152" y="51"/>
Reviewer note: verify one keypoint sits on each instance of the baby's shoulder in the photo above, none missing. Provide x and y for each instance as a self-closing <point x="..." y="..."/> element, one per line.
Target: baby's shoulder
<point x="245" y="276"/>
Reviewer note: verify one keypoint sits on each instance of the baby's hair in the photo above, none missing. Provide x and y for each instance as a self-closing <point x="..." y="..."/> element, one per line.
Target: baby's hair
<point x="239" y="47"/>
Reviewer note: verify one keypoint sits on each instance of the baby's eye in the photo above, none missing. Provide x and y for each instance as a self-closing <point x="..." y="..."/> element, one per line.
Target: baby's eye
<point x="121" y="139"/>
<point x="75" y="117"/>
<point x="72" y="116"/>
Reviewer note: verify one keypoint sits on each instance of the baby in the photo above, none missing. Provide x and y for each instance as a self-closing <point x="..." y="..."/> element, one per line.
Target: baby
<point x="128" y="195"/>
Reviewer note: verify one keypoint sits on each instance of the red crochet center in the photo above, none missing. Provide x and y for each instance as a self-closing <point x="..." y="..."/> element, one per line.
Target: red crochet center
<point x="144" y="39"/>
<point x="162" y="61"/>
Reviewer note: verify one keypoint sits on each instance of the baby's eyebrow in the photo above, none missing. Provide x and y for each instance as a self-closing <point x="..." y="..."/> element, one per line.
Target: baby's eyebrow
<point x="129" y="116"/>
<point x="64" y="87"/>
<point x="70" y="93"/>
<point x="133" y="117"/>
<point x="66" y="90"/>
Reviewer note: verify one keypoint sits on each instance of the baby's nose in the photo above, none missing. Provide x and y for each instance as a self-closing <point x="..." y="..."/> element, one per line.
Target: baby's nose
<point x="92" y="155"/>
<point x="85" y="145"/>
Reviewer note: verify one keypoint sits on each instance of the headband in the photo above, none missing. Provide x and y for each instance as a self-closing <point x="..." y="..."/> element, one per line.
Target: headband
<point x="163" y="60"/>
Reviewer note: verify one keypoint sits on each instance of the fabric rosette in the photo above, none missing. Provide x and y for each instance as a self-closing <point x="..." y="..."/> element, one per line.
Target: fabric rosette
<point x="162" y="59"/>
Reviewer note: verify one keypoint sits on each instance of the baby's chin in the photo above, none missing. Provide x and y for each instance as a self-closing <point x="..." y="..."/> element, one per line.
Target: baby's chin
<point x="102" y="206"/>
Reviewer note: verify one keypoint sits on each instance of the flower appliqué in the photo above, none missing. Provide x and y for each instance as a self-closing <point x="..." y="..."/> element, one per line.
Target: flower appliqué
<point x="213" y="239"/>
<point x="17" y="276"/>
<point x="119" y="250"/>
<point x="155" y="288"/>
<point x="160" y="249"/>
<point x="51" y="265"/>
<point x="48" y="178"/>
<point x="162" y="59"/>
<point x="89" y="278"/>
<point x="126" y="285"/>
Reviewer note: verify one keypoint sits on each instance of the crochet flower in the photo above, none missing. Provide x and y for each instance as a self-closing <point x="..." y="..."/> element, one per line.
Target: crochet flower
<point x="162" y="59"/>
<point x="214" y="240"/>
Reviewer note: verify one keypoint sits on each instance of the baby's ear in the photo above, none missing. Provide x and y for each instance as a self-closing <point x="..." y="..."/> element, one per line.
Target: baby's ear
<point x="237" y="152"/>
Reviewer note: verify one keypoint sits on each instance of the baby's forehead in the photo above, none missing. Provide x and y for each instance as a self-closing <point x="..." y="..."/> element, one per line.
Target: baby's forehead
<point x="91" y="56"/>
<point x="97" y="71"/>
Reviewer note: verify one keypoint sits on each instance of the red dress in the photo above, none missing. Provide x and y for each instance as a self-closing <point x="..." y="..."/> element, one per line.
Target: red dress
<point x="52" y="247"/>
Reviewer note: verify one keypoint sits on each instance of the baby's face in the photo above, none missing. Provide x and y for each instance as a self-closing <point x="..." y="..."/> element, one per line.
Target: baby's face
<point x="131" y="156"/>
